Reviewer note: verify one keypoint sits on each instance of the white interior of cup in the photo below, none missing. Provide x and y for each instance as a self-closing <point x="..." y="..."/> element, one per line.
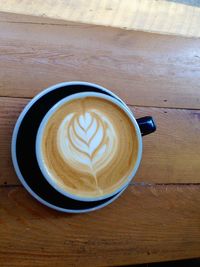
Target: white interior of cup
<point x="40" y="134"/>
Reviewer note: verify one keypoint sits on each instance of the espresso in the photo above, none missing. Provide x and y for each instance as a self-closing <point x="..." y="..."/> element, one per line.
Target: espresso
<point x="89" y="147"/>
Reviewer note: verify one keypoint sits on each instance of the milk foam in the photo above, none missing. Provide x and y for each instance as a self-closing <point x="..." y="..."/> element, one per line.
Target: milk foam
<point x="87" y="141"/>
<point x="89" y="147"/>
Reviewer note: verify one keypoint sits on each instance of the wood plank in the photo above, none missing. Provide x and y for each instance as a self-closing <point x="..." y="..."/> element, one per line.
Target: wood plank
<point x="144" y="69"/>
<point x="155" y="16"/>
<point x="171" y="155"/>
<point x="10" y="109"/>
<point x="19" y="18"/>
<point x="137" y="228"/>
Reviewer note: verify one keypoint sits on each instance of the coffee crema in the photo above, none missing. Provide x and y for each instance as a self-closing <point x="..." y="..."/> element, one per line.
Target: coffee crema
<point x="89" y="147"/>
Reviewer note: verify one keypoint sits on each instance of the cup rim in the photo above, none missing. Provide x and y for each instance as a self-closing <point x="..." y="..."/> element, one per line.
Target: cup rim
<point x="43" y="123"/>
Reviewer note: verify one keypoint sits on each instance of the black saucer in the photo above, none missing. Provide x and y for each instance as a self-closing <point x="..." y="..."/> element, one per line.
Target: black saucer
<point x="23" y="150"/>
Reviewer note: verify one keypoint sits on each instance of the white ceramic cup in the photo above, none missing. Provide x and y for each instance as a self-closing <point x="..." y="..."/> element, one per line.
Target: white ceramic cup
<point x="123" y="107"/>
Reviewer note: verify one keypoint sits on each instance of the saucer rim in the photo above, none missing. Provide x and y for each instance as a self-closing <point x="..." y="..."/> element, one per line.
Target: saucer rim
<point x="14" y="156"/>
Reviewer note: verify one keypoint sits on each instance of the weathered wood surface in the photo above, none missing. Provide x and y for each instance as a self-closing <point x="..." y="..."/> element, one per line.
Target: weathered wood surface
<point x="146" y="224"/>
<point x="179" y="17"/>
<point x="156" y="75"/>
<point x="144" y="69"/>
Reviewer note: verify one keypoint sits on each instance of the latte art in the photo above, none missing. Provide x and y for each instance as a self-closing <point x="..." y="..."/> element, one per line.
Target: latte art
<point x="89" y="147"/>
<point x="87" y="141"/>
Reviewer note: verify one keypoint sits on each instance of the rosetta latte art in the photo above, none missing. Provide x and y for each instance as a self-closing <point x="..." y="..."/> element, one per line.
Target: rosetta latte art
<point x="87" y="141"/>
<point x="89" y="147"/>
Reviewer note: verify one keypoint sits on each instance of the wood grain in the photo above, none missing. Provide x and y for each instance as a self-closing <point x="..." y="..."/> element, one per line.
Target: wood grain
<point x="171" y="155"/>
<point x="155" y="16"/>
<point x="19" y="18"/>
<point x="146" y="224"/>
<point x="10" y="109"/>
<point x="144" y="69"/>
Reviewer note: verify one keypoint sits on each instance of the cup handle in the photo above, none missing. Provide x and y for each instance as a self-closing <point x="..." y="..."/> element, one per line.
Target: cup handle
<point x="147" y="125"/>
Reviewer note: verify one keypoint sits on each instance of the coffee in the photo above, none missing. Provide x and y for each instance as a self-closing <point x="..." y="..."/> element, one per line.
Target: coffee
<point x="89" y="147"/>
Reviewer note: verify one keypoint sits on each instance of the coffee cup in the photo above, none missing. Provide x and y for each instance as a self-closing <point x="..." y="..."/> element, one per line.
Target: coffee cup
<point x="89" y="146"/>
<point x="26" y="163"/>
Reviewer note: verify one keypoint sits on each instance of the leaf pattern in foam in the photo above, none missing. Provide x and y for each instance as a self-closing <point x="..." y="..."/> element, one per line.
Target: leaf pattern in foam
<point x="87" y="141"/>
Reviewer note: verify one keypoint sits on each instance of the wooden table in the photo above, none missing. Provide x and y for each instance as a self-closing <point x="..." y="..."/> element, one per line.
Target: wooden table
<point x="158" y="217"/>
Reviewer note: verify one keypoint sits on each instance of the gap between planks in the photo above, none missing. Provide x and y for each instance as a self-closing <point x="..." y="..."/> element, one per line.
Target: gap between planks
<point x="129" y="105"/>
<point x="138" y="184"/>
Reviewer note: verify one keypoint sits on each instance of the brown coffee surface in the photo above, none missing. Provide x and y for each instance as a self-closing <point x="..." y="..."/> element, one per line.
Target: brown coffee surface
<point x="89" y="147"/>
